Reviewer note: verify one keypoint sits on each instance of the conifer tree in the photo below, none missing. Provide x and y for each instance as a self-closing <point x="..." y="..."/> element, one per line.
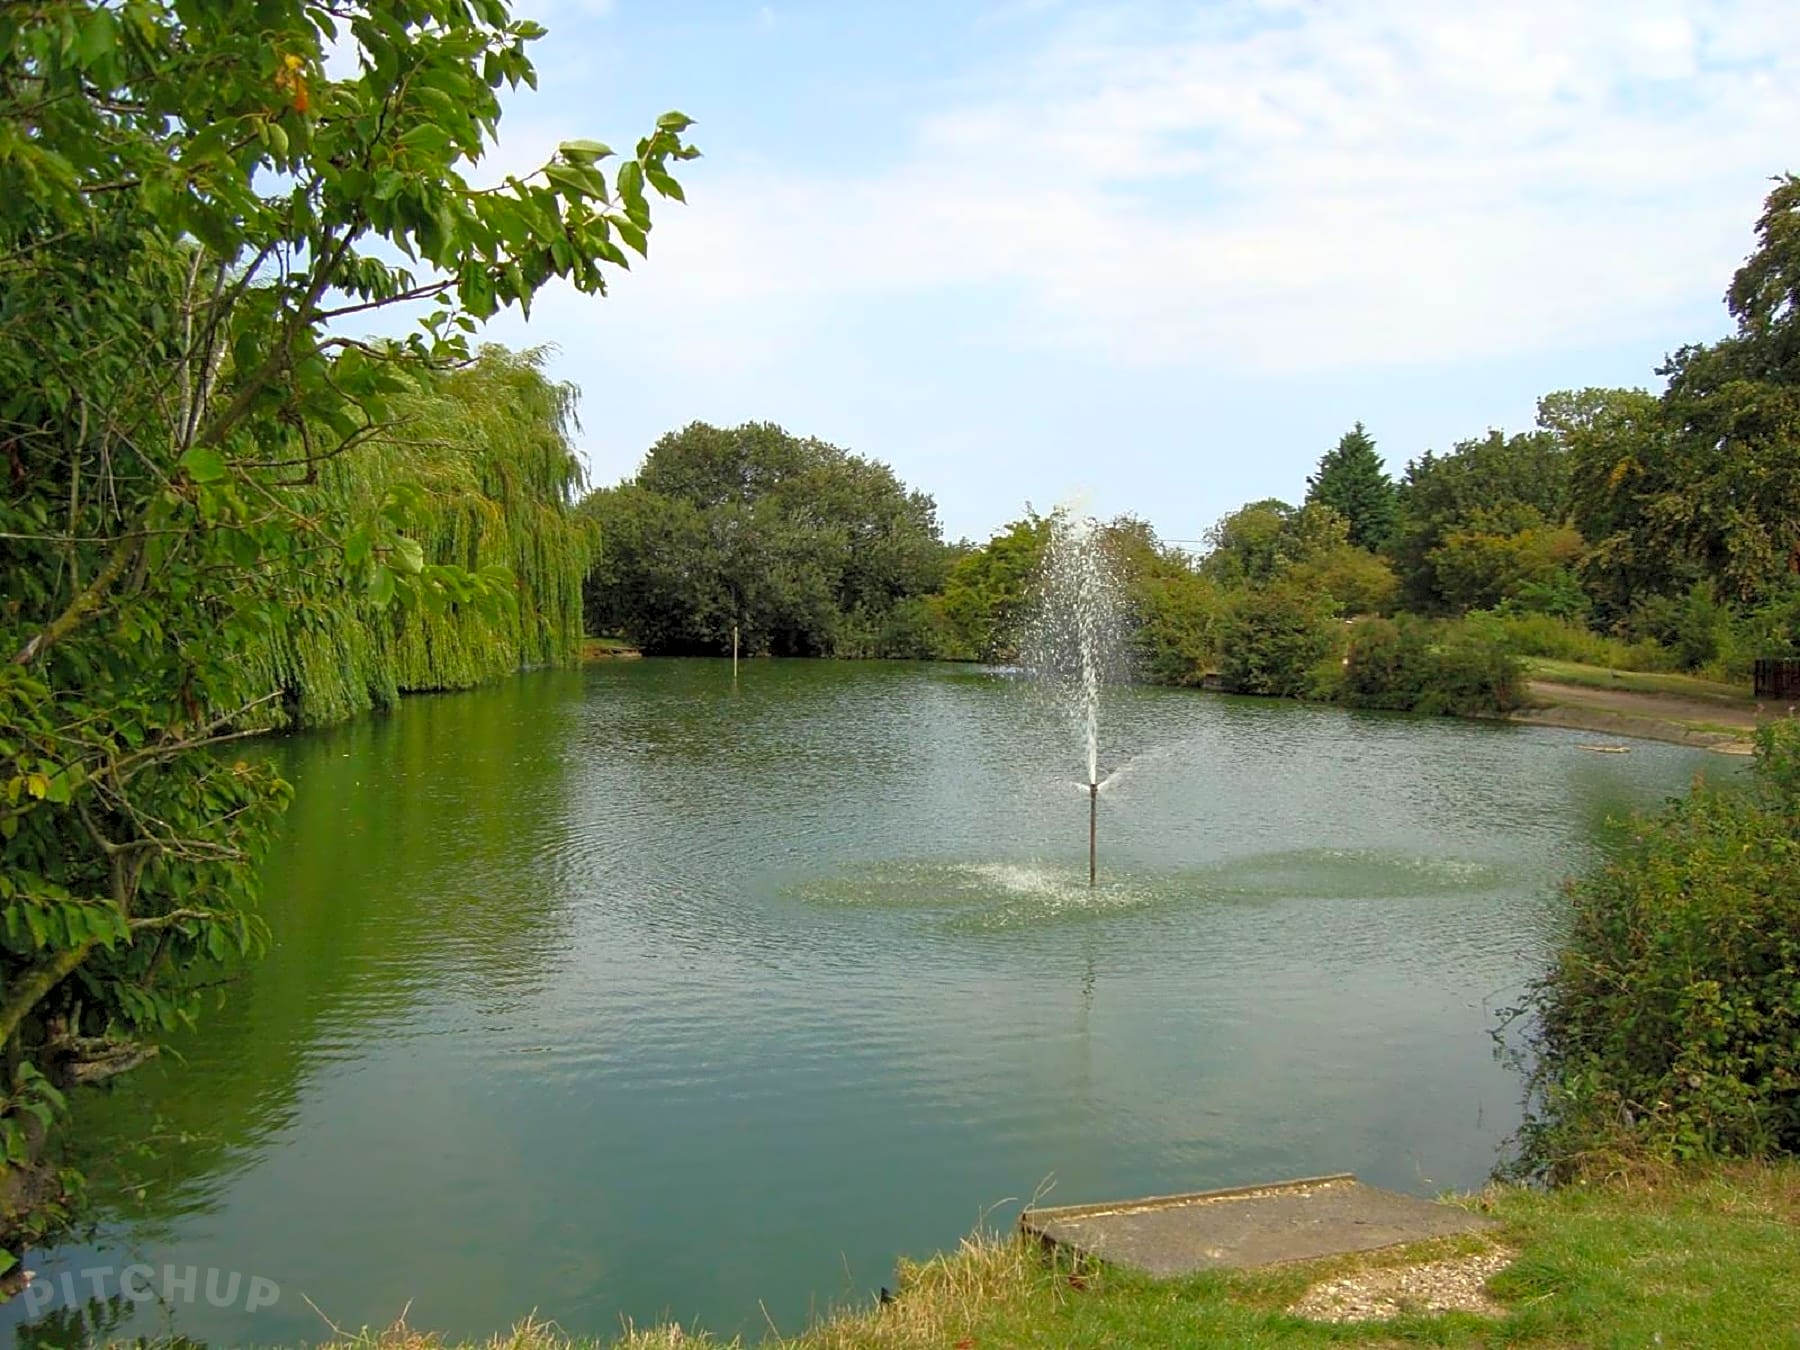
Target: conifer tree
<point x="1352" y="482"/>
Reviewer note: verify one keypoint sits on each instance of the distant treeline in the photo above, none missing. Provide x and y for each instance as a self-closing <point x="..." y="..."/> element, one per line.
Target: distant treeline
<point x="1626" y="529"/>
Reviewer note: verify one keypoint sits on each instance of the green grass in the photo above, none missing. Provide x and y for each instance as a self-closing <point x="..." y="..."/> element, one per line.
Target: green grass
<point x="1638" y="681"/>
<point x="1738" y="733"/>
<point x="1712" y="1259"/>
<point x="1531" y="635"/>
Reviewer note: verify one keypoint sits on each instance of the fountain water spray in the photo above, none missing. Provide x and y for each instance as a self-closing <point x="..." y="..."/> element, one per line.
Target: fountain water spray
<point x="1074" y="641"/>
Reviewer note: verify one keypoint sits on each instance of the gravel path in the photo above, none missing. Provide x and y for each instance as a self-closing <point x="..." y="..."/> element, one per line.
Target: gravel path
<point x="1456" y="1283"/>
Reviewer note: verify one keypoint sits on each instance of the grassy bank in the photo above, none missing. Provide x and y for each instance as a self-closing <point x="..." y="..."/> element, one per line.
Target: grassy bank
<point x="1641" y="682"/>
<point x="1711" y="1258"/>
<point x="1648" y="705"/>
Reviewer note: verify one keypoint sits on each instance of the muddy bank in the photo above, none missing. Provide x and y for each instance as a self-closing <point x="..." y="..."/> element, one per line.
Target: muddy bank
<point x="1723" y="728"/>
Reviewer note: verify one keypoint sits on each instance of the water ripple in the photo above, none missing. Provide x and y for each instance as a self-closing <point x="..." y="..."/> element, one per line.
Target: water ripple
<point x="635" y="991"/>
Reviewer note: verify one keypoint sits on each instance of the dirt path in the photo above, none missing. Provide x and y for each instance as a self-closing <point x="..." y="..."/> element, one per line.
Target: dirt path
<point x="1714" y="725"/>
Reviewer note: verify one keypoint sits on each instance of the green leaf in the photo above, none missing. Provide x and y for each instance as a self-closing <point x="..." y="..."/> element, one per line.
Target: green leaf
<point x="381" y="587"/>
<point x="631" y="183"/>
<point x="632" y="235"/>
<point x="663" y="183"/>
<point x="356" y="546"/>
<point x="584" y="152"/>
<point x="204" y="464"/>
<point x="676" y="122"/>
<point x="99" y="37"/>
<point x="427" y="137"/>
<point x="410" y="555"/>
<point x="569" y="180"/>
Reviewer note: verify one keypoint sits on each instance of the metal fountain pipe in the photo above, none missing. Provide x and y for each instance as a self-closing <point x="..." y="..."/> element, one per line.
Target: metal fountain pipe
<point x="1093" y="829"/>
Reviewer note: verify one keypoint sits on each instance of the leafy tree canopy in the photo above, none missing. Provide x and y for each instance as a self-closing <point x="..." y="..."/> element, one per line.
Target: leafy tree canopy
<point x="1255" y="543"/>
<point x="195" y="209"/>
<point x="805" y="548"/>
<point x="1274" y="639"/>
<point x="1730" y="496"/>
<point x="1703" y="484"/>
<point x="1498" y="484"/>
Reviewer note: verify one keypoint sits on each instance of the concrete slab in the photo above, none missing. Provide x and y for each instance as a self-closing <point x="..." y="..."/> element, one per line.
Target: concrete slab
<point x="1248" y="1225"/>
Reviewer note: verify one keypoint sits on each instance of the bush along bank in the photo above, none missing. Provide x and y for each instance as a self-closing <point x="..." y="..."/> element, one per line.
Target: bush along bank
<point x="1668" y="1028"/>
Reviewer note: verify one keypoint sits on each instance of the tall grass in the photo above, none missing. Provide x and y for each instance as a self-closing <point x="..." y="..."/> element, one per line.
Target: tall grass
<point x="1567" y="640"/>
<point x="940" y="1302"/>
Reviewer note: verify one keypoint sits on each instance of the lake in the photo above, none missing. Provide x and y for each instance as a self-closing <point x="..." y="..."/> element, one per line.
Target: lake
<point x="631" y="992"/>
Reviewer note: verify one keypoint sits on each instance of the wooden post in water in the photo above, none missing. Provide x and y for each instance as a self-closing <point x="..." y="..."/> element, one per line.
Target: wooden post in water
<point x="734" y="646"/>
<point x="1093" y="830"/>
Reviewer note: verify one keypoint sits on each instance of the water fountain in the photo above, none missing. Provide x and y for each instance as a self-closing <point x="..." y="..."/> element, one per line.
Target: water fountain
<point x="1074" y="642"/>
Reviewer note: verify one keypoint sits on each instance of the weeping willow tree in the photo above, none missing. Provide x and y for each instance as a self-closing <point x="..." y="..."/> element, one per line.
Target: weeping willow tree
<point x="477" y="468"/>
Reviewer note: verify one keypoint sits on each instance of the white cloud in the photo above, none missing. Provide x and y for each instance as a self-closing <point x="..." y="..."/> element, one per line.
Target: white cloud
<point x="1277" y="185"/>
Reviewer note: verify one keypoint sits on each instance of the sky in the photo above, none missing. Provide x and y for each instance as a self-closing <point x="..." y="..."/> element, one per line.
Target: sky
<point x="1154" y="257"/>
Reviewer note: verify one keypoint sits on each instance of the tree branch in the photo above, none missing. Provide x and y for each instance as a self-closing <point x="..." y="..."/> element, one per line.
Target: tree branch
<point x="403" y="297"/>
<point x="29" y="990"/>
<point x="83" y="606"/>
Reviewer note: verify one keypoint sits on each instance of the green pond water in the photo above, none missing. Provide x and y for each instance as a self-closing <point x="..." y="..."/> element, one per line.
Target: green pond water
<point x="631" y="993"/>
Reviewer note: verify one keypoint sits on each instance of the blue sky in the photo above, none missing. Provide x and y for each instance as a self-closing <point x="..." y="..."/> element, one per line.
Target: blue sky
<point x="1160" y="255"/>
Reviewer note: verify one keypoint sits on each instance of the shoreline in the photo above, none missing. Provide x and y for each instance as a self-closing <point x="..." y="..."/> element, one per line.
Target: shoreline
<point x="1702" y="1256"/>
<point x="1722" y="728"/>
<point x="1632" y="727"/>
<point x="1673" y="719"/>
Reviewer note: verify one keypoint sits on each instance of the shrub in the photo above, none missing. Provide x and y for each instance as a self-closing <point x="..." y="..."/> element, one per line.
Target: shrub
<point x="1178" y="615"/>
<point x="1385" y="666"/>
<point x="1771" y="629"/>
<point x="1561" y="639"/>
<point x="1272" y="638"/>
<point x="1558" y="594"/>
<point x="1694" y="627"/>
<point x="1670" y="1022"/>
<point x="1472" y="674"/>
<point x="1412" y="665"/>
<point x="911" y="631"/>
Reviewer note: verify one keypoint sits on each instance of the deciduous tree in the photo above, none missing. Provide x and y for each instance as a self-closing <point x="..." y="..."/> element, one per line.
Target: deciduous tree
<point x="803" y="547"/>
<point x="196" y="211"/>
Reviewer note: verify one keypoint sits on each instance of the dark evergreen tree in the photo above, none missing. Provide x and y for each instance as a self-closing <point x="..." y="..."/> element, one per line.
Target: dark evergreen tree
<point x="1352" y="482"/>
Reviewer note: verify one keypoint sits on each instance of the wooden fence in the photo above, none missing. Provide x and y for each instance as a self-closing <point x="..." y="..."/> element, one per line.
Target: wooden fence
<point x="1778" y="679"/>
